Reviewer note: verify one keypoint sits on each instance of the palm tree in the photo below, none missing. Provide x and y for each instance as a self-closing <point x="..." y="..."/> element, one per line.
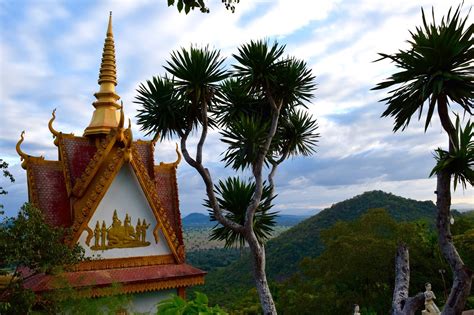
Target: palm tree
<point x="254" y="106"/>
<point x="437" y="70"/>
<point x="233" y="196"/>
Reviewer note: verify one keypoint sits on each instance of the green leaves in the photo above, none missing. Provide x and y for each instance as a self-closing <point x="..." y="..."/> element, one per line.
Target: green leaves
<point x="257" y="63"/>
<point x="240" y="105"/>
<point x="172" y="107"/>
<point x="297" y="134"/>
<point x="234" y="196"/>
<point x="177" y="306"/>
<point x="245" y="138"/>
<point x="163" y="111"/>
<point x="439" y="63"/>
<point x="460" y="162"/>
<point x="189" y="5"/>
<point x="29" y="241"/>
<point x="197" y="70"/>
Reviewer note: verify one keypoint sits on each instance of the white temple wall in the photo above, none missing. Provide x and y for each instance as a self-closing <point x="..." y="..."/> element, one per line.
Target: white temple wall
<point x="146" y="302"/>
<point x="126" y="196"/>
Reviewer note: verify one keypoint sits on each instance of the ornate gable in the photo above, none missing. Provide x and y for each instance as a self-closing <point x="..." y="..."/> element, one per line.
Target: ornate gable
<point x="120" y="205"/>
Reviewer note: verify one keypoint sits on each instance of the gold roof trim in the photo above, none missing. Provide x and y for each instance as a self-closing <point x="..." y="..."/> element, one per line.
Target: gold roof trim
<point x="50" y="124"/>
<point x="135" y="261"/>
<point x="105" y="116"/>
<point x="172" y="164"/>
<point x="23" y="156"/>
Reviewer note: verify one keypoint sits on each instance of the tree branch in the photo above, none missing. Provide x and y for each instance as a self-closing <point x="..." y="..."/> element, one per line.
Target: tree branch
<point x="402" y="304"/>
<point x="258" y="165"/>
<point x="446" y="122"/>
<point x="206" y="177"/>
<point x="205" y="122"/>
<point x="275" y="165"/>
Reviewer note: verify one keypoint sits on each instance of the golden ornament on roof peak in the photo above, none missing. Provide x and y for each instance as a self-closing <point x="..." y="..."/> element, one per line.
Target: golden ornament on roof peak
<point x="106" y="115"/>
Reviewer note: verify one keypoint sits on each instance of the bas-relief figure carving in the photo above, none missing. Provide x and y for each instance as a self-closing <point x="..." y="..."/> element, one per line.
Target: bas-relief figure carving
<point x="430" y="306"/>
<point x="120" y="236"/>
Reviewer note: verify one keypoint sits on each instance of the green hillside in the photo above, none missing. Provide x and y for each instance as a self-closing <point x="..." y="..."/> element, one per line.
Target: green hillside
<point x="285" y="252"/>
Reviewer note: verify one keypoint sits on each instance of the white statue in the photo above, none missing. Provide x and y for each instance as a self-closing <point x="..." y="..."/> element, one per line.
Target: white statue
<point x="356" y="309"/>
<point x="430" y="306"/>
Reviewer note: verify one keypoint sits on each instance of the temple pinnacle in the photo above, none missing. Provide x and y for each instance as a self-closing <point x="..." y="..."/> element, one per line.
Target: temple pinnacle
<point x="106" y="115"/>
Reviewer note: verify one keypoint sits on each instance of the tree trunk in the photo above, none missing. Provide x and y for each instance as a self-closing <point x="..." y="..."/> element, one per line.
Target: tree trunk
<point x="402" y="304"/>
<point x="258" y="268"/>
<point x="462" y="276"/>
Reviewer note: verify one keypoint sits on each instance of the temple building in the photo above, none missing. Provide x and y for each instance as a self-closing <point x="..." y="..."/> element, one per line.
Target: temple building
<point x="122" y="208"/>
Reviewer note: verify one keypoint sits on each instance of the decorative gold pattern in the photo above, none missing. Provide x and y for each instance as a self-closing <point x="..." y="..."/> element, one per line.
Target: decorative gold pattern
<point x="83" y="207"/>
<point x="100" y="155"/>
<point x="173" y="164"/>
<point x="64" y="157"/>
<point x="150" y="192"/>
<point x="90" y="234"/>
<point x="50" y="125"/>
<point x="23" y="156"/>
<point x="142" y="287"/>
<point x="105" y="116"/>
<point x="155" y="233"/>
<point x="137" y="261"/>
<point x="120" y="236"/>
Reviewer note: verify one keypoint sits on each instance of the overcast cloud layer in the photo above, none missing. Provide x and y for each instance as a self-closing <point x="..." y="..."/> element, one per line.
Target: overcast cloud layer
<point x="50" y="55"/>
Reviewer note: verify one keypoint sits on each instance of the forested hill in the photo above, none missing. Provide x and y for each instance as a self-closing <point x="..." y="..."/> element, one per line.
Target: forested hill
<point x="199" y="220"/>
<point x="286" y="251"/>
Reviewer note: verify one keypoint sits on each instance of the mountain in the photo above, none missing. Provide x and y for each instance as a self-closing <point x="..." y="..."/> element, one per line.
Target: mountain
<point x="200" y="220"/>
<point x="285" y="252"/>
<point x="197" y="220"/>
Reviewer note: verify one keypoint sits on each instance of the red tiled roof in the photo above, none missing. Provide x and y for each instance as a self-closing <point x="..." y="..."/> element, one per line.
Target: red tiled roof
<point x="165" y="179"/>
<point x="50" y="191"/>
<point x="78" y="152"/>
<point x="144" y="149"/>
<point x="104" y="277"/>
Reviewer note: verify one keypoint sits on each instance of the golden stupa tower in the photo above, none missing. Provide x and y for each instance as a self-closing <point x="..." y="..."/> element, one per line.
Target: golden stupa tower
<point x="106" y="115"/>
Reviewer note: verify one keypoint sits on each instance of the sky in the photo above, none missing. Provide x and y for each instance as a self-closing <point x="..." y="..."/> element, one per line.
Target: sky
<point x="50" y="53"/>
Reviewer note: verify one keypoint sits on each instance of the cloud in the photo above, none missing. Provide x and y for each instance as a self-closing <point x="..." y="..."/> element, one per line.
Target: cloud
<point x="50" y="55"/>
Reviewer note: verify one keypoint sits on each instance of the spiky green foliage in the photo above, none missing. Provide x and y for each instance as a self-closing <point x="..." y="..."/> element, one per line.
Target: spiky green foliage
<point x="198" y="306"/>
<point x="438" y="64"/>
<point x="260" y="77"/>
<point x="162" y="110"/>
<point x="245" y="138"/>
<point x="257" y="64"/>
<point x="239" y="105"/>
<point x="459" y="162"/>
<point x="296" y="134"/>
<point x="172" y="106"/>
<point x="234" y="196"/>
<point x="197" y="72"/>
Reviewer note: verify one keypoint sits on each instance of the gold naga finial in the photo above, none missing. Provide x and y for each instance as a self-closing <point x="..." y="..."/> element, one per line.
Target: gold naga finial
<point x="23" y="156"/>
<point x="50" y="125"/>
<point x="175" y="163"/>
<point x="155" y="139"/>
<point x="105" y="116"/>
<point x="122" y="117"/>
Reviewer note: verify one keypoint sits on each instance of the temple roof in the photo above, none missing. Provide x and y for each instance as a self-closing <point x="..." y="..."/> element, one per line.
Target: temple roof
<point x="69" y="190"/>
<point x="131" y="280"/>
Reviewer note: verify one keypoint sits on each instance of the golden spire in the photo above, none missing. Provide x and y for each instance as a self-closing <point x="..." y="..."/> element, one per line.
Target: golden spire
<point x="106" y="116"/>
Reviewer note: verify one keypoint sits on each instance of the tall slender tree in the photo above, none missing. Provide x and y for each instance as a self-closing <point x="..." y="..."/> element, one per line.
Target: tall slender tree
<point x="258" y="106"/>
<point x="437" y="70"/>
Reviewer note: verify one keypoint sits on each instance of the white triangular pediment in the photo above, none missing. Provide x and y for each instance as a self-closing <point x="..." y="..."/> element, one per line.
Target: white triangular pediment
<point x="123" y="224"/>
